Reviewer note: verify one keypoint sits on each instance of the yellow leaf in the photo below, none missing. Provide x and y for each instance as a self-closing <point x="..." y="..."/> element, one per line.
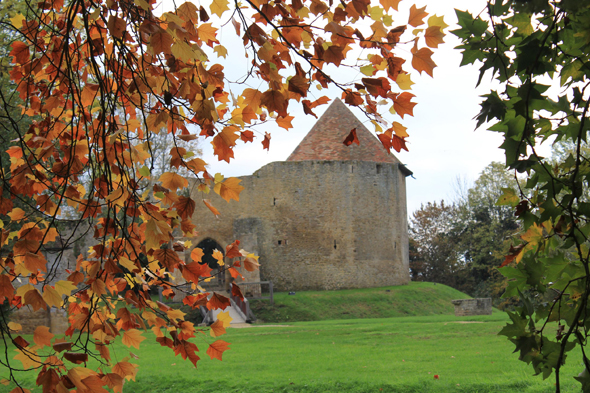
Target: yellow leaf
<point x="229" y="189"/>
<point x="16" y="214"/>
<point x="221" y="51"/>
<point x="183" y="51"/>
<point x="29" y="359"/>
<point x="174" y="313"/>
<point x="207" y="32"/>
<point x="20" y="291"/>
<point x="368" y="70"/>
<point x="15" y="327"/>
<point x="399" y="129"/>
<point x="51" y="297"/>
<point x="4" y="381"/>
<point x="17" y="21"/>
<point x="65" y="287"/>
<point x="437" y="21"/>
<point x="173" y="181"/>
<point x="533" y="235"/>
<point x="404" y="82"/>
<point x="219" y="256"/>
<point x="132" y="338"/>
<point x="376" y="13"/>
<point x="225" y="318"/>
<point x="218" y="7"/>
<point x="127" y="264"/>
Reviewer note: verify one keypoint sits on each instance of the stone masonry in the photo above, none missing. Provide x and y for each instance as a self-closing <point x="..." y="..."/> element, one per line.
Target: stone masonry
<point x="467" y="307"/>
<point x="330" y="217"/>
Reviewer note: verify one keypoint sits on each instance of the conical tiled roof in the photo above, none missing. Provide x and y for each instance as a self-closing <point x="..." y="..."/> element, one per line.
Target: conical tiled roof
<point x="325" y="140"/>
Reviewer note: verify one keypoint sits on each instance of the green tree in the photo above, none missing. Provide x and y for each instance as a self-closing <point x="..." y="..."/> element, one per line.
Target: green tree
<point x="484" y="229"/>
<point x="434" y="255"/>
<point x="528" y="47"/>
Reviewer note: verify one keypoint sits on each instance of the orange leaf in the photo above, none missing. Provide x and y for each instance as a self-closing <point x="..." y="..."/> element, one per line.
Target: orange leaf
<point x="33" y="298"/>
<point x="34" y="262"/>
<point x="352" y="97"/>
<point x="387" y="4"/>
<point x="233" y="250"/>
<point x="247" y="136"/>
<point x="167" y="258"/>
<point x="194" y="271"/>
<point x="434" y="36"/>
<point x="417" y="15"/>
<point x="197" y="254"/>
<point x="218" y="301"/>
<point x="250" y="263"/>
<point x="229" y="189"/>
<point x="215" y="350"/>
<point x="275" y="101"/>
<point x="399" y="143"/>
<point x="173" y="181"/>
<point x="125" y="370"/>
<point x="334" y="54"/>
<point x="403" y="105"/>
<point x="20" y="53"/>
<point x="266" y="141"/>
<point x="116" y="26"/>
<point x="132" y="338"/>
<point x="299" y="85"/>
<point x="351" y="138"/>
<point x="88" y="94"/>
<point x="211" y="207"/>
<point x="185" y="207"/>
<point x="217" y="329"/>
<point x="421" y="60"/>
<point x="285" y="122"/>
<point x="161" y="41"/>
<point x="6" y="288"/>
<point x="223" y="143"/>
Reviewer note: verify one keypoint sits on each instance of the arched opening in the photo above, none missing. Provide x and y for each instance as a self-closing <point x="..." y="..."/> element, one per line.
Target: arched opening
<point x="208" y="246"/>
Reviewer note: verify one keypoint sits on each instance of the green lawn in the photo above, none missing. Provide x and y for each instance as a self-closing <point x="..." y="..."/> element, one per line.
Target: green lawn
<point x="360" y="355"/>
<point x="415" y="299"/>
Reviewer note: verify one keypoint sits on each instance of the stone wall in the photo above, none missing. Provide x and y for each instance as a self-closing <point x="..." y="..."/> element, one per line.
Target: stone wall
<point x="467" y="307"/>
<point x="53" y="318"/>
<point x="318" y="224"/>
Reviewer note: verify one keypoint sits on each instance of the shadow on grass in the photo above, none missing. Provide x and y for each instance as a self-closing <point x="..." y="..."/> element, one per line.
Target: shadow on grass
<point x="208" y="386"/>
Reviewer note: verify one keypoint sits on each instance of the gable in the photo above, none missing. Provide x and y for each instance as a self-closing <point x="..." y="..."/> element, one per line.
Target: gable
<point x="325" y="140"/>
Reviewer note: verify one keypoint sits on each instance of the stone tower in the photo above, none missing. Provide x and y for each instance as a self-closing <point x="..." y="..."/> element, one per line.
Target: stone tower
<point x="331" y="216"/>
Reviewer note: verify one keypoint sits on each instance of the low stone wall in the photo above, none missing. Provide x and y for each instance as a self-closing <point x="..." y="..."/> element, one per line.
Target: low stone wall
<point x="466" y="307"/>
<point x="55" y="319"/>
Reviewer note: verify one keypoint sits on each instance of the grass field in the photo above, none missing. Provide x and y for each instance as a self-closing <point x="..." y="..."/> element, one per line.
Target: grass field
<point x="372" y="355"/>
<point x="416" y="299"/>
<point x="399" y="354"/>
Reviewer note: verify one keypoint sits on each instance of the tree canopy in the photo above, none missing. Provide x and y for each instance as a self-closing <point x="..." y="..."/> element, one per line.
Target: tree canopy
<point x="538" y="53"/>
<point x="98" y="81"/>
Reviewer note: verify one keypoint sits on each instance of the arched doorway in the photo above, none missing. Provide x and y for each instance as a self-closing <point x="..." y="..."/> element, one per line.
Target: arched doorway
<point x="209" y="245"/>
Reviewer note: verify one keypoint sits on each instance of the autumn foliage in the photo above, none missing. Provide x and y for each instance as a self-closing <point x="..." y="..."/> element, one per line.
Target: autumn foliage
<point x="99" y="79"/>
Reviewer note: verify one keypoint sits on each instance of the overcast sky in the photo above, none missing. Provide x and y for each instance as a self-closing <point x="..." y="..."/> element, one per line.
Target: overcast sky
<point x="443" y="143"/>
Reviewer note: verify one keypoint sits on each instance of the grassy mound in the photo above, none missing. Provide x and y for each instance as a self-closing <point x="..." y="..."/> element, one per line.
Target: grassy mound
<point x="415" y="299"/>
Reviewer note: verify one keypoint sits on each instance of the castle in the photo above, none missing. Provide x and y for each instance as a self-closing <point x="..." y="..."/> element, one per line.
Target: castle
<point x="329" y="217"/>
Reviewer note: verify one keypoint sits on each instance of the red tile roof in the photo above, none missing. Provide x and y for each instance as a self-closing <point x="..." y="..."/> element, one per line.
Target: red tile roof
<point x="325" y="139"/>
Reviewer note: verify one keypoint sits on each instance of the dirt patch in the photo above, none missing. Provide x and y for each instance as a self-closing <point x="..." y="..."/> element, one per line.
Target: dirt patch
<point x="467" y="322"/>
